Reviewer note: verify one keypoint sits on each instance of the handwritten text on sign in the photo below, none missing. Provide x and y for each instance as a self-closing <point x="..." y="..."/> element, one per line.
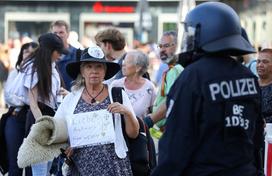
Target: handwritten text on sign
<point x="91" y="128"/>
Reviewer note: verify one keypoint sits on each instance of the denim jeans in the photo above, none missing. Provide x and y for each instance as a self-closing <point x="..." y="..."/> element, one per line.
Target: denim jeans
<point x="14" y="135"/>
<point x="41" y="169"/>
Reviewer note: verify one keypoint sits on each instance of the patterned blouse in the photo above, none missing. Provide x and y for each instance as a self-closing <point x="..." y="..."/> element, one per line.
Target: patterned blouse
<point x="99" y="159"/>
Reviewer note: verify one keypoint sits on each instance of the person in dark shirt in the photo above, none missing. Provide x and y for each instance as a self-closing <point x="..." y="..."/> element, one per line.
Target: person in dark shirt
<point x="264" y="70"/>
<point x="61" y="28"/>
<point x="214" y="125"/>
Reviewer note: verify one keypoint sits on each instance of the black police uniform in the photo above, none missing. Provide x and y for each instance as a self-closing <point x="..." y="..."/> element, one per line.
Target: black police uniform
<point x="214" y="124"/>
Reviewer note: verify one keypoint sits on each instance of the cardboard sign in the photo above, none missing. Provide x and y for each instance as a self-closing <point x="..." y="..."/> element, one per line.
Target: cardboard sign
<point x="91" y="128"/>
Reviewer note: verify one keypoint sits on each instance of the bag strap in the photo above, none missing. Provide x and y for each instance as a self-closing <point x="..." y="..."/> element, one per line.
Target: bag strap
<point x="117" y="97"/>
<point x="116" y="93"/>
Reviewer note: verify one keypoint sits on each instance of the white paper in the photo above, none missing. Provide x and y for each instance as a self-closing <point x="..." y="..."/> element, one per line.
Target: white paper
<point x="91" y="128"/>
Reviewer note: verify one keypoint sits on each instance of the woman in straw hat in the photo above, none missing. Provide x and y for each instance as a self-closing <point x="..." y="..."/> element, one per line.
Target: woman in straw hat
<point x="97" y="145"/>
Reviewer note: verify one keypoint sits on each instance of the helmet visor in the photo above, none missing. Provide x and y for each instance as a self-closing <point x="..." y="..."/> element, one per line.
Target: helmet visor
<point x="188" y="39"/>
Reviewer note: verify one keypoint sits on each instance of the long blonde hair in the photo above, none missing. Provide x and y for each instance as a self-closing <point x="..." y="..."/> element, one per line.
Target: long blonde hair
<point x="78" y="83"/>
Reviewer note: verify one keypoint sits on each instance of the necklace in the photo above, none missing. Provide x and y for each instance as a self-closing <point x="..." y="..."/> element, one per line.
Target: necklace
<point x="93" y="98"/>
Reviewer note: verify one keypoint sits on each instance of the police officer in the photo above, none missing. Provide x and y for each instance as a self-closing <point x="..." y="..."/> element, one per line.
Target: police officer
<point x="214" y="126"/>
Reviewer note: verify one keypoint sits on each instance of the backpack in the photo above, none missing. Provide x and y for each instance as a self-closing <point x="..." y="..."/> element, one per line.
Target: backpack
<point x="141" y="150"/>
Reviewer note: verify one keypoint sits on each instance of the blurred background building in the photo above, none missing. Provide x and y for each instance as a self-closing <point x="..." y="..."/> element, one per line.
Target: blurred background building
<point x="22" y="19"/>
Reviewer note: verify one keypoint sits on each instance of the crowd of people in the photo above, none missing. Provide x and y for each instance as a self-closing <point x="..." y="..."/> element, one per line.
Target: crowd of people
<point x="45" y="73"/>
<point x="206" y="110"/>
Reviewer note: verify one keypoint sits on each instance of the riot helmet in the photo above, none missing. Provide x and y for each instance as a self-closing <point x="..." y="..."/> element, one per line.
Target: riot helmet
<point x="214" y="27"/>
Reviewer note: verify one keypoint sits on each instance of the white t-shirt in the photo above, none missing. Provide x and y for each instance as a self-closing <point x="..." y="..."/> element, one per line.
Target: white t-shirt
<point x="30" y="82"/>
<point x="14" y="91"/>
<point x="141" y="99"/>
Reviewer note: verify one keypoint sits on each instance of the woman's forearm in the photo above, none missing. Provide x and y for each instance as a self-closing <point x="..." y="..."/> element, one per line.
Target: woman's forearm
<point x="36" y="111"/>
<point x="132" y="125"/>
<point x="33" y="103"/>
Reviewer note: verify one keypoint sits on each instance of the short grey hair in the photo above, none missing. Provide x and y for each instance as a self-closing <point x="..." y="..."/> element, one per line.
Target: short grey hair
<point x="139" y="59"/>
<point x="171" y="33"/>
